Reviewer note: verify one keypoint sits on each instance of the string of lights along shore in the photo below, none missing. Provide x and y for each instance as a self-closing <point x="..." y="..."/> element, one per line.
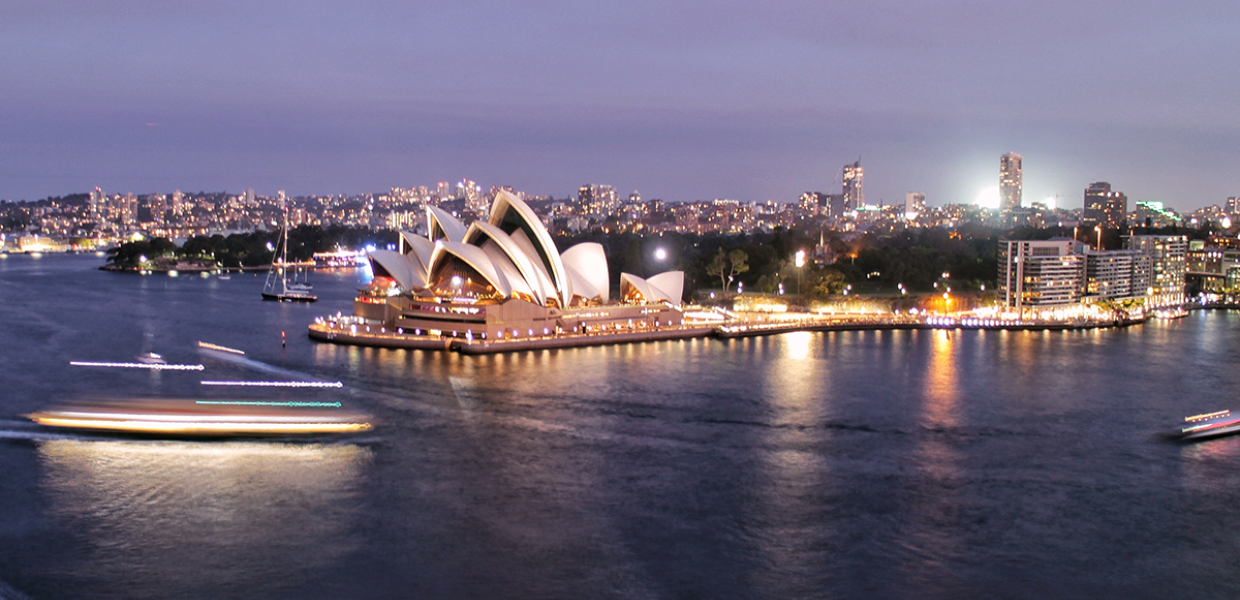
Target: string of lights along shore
<point x="98" y="219"/>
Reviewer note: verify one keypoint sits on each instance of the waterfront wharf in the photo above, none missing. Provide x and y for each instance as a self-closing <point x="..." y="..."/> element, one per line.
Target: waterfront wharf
<point x="381" y="337"/>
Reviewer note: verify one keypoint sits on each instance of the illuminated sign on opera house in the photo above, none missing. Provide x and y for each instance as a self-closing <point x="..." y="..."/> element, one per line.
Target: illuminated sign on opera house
<point x="502" y="279"/>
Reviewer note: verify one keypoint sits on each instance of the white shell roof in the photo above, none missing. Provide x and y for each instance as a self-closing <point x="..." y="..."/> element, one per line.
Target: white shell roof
<point x="580" y="286"/>
<point x="517" y="283"/>
<point x="530" y="268"/>
<point x="521" y="263"/>
<point x="653" y="292"/>
<point x="420" y="249"/>
<point x="507" y="205"/>
<point x="476" y="258"/>
<point x="590" y="262"/>
<point x="407" y="275"/>
<point x="439" y="221"/>
<point x="671" y="283"/>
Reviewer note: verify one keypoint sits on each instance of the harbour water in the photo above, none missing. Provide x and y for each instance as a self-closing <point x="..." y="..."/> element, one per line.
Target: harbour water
<point x="892" y="464"/>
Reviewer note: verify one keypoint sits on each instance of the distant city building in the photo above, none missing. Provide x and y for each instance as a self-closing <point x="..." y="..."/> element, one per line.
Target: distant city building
<point x="808" y="202"/>
<point x="1233" y="205"/>
<point x="129" y="210"/>
<point x="1040" y="273"/>
<point x="1010" y="182"/>
<point x="854" y="192"/>
<point x="914" y="204"/>
<point x="158" y="205"/>
<point x="1104" y="206"/>
<point x="471" y="193"/>
<point x="833" y="205"/>
<point x="98" y="203"/>
<point x="1215" y="269"/>
<point x="1168" y="266"/>
<point x="596" y="199"/>
<point x="1116" y="274"/>
<point x="1154" y="214"/>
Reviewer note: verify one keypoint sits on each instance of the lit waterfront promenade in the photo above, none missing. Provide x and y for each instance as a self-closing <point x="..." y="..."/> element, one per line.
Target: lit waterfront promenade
<point x="351" y="331"/>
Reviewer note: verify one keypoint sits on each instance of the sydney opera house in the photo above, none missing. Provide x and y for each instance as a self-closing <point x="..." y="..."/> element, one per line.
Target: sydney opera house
<point x="499" y="280"/>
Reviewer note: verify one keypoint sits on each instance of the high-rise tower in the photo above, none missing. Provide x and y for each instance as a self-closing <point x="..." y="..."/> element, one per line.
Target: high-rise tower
<point x="1105" y="207"/>
<point x="854" y="194"/>
<point x="97" y="204"/>
<point x="1010" y="182"/>
<point x="914" y="203"/>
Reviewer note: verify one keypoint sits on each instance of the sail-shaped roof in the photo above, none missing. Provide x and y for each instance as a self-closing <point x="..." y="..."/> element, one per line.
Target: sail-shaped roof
<point x="512" y="256"/>
<point x="475" y="258"/>
<point x="440" y="225"/>
<point x="589" y="261"/>
<point x="417" y="248"/>
<point x="397" y="266"/>
<point x="530" y="269"/>
<point x="671" y="283"/>
<point x="634" y="288"/>
<point x="511" y="214"/>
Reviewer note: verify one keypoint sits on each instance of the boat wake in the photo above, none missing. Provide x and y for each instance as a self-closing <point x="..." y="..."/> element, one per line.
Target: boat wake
<point x="254" y="365"/>
<point x="8" y="592"/>
<point x="29" y="431"/>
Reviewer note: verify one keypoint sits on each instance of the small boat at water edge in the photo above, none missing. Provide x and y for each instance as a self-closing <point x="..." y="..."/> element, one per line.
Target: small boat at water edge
<point x="150" y="358"/>
<point x="1207" y="425"/>
<point x="290" y="296"/>
<point x="278" y="286"/>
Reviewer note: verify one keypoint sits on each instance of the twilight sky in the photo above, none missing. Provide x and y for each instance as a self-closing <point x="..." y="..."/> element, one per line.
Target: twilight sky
<point x="680" y="100"/>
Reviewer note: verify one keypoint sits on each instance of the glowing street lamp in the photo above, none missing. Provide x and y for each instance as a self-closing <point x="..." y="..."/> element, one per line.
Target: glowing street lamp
<point x="800" y="262"/>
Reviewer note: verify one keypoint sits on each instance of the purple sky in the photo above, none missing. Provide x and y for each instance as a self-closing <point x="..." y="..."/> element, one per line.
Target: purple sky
<point x="680" y="100"/>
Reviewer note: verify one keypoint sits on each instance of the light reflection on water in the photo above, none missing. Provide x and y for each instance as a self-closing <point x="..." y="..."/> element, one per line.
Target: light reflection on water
<point x="846" y="464"/>
<point x="793" y="473"/>
<point x="183" y="517"/>
<point x="928" y="529"/>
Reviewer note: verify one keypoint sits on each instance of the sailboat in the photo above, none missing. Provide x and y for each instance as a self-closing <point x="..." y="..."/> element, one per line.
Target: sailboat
<point x="278" y="287"/>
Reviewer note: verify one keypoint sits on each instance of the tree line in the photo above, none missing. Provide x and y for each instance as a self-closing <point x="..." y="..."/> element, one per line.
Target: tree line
<point x="252" y="249"/>
<point x="761" y="261"/>
<point x="877" y="263"/>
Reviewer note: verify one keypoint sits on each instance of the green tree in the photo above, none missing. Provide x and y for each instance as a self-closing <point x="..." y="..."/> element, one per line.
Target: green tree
<point x="727" y="265"/>
<point x="823" y="283"/>
<point x="717" y="267"/>
<point x="738" y="259"/>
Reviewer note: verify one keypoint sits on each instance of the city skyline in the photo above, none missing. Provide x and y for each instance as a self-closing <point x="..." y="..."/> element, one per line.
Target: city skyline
<point x="684" y="102"/>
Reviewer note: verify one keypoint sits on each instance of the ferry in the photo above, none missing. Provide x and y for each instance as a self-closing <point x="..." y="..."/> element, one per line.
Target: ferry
<point x="1208" y="425"/>
<point x="204" y="418"/>
<point x="150" y="358"/>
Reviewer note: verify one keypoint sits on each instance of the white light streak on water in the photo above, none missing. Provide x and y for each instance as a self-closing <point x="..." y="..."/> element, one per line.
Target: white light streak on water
<point x="292" y="384"/>
<point x="78" y="363"/>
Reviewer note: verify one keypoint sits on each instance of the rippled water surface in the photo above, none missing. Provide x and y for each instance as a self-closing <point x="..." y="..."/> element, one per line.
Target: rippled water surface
<point x="822" y="465"/>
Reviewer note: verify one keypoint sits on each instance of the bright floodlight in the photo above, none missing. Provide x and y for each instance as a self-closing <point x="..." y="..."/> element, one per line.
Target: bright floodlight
<point x="988" y="198"/>
<point x="800" y="258"/>
<point x="660" y="254"/>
